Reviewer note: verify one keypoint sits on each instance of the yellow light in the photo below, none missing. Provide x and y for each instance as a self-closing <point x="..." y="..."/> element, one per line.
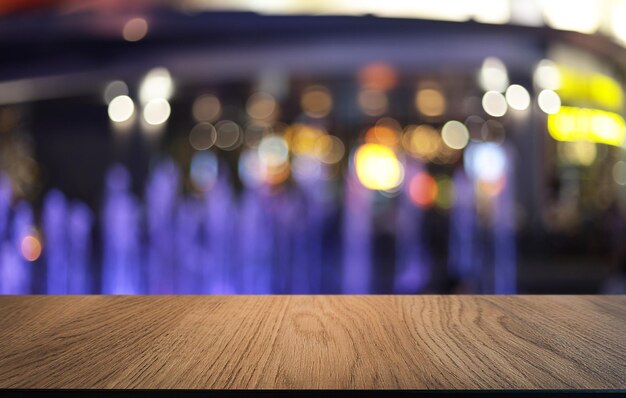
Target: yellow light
<point x="422" y="142"/>
<point x="591" y="88"/>
<point x="430" y="101"/>
<point x="445" y="198"/>
<point x="579" y="152"/>
<point x="582" y="124"/>
<point x="377" y="167"/>
<point x="329" y="149"/>
<point x="606" y="92"/>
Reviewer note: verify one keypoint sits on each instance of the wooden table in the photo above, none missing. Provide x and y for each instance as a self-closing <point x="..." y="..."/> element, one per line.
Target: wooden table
<point x="313" y="342"/>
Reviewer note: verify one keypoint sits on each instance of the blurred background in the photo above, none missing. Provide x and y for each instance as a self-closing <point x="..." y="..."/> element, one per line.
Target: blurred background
<point x="292" y="146"/>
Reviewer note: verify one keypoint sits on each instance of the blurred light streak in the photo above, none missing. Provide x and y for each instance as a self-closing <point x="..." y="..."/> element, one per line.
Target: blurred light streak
<point x="203" y="170"/>
<point x="576" y="124"/>
<point x="121" y="262"/>
<point x="619" y="172"/>
<point x="56" y="255"/>
<point x="357" y="234"/>
<point x="413" y="261"/>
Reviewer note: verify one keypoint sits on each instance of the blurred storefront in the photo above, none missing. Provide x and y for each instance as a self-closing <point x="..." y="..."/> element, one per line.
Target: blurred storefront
<point x="312" y="147"/>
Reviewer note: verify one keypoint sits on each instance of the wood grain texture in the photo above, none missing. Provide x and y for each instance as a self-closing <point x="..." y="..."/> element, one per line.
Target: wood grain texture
<point x="329" y="342"/>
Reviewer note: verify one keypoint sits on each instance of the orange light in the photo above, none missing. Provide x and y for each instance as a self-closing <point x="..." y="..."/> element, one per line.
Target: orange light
<point x="491" y="188"/>
<point x="378" y="76"/>
<point x="423" y="189"/>
<point x="30" y="248"/>
<point x="382" y="135"/>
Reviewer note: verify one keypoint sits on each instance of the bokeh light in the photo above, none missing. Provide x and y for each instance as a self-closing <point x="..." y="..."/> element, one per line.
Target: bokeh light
<point x="157" y="84"/>
<point x="582" y="153"/>
<point x="619" y="172"/>
<point x="31" y="247"/>
<point x="202" y="136"/>
<point x="316" y="101"/>
<point x="203" y="170"/>
<point x="157" y="111"/>
<point x="423" y="189"/>
<point x="229" y="135"/>
<point x="206" y="108"/>
<point x="273" y="151"/>
<point x="378" y="76"/>
<point x="430" y="101"/>
<point x="549" y="101"/>
<point x="135" y="29"/>
<point x="485" y="161"/>
<point x="585" y="124"/>
<point x="494" y="104"/>
<point x="517" y="97"/>
<point x="493" y="75"/>
<point x="384" y="133"/>
<point x="114" y="89"/>
<point x="454" y="134"/>
<point x="373" y="102"/>
<point x="547" y="75"/>
<point x="578" y="15"/>
<point x="329" y="149"/>
<point x="121" y="108"/>
<point x="422" y="142"/>
<point x="377" y="167"/>
<point x="262" y="105"/>
<point x="445" y="193"/>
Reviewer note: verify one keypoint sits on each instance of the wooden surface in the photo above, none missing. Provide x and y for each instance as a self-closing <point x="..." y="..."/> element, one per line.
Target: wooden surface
<point x="329" y="342"/>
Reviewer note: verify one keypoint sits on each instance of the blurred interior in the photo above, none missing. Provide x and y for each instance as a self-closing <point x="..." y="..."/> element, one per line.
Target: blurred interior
<point x="288" y="147"/>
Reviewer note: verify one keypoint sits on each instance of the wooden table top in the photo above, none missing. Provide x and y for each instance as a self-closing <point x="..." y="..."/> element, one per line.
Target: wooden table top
<point x="313" y="342"/>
